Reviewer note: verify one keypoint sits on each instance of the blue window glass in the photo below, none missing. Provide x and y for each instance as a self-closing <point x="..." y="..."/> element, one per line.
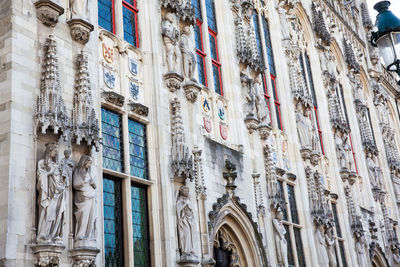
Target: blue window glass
<point x="310" y="80"/>
<point x="112" y="140"/>
<point x="267" y="38"/>
<point x="212" y="24"/>
<point x="200" y="68"/>
<point x="292" y="204"/>
<point x="217" y="79"/>
<point x="299" y="247"/>
<point x="105" y="14"/>
<point x="343" y="255"/>
<point x="197" y="8"/>
<point x="197" y="37"/>
<point x="131" y="2"/>
<point x="289" y="246"/>
<point x="140" y="226"/>
<point x="129" y="26"/>
<point x="137" y="149"/>
<point x="335" y="216"/>
<point x="257" y="34"/>
<point x="213" y="47"/>
<point x="113" y="249"/>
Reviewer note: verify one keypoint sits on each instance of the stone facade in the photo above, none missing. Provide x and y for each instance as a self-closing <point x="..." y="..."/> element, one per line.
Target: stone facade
<point x="247" y="158"/>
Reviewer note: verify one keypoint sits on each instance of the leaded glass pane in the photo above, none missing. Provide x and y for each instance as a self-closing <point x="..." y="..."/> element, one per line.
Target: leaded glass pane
<point x="337" y="225"/>
<point x="289" y="247"/>
<point x="129" y="26"/>
<point x="197" y="8"/>
<point x="137" y="149"/>
<point x="213" y="47"/>
<point x="292" y="204"/>
<point x="140" y="226"/>
<point x="310" y="80"/>
<point x="200" y="69"/>
<point x="342" y="252"/>
<point x="211" y="15"/>
<point x="112" y="140"/>
<point x="299" y="247"/>
<point x="131" y="2"/>
<point x="113" y="249"/>
<point x="257" y="34"/>
<point x="280" y="184"/>
<point x="197" y="37"/>
<point x="267" y="39"/>
<point x="105" y="14"/>
<point x="278" y="116"/>
<point x="217" y="79"/>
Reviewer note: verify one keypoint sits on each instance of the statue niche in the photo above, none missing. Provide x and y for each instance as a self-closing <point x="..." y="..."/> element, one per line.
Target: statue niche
<point x="171" y="37"/>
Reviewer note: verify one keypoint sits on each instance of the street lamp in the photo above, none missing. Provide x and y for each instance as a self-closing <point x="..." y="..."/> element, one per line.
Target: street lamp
<point x="387" y="36"/>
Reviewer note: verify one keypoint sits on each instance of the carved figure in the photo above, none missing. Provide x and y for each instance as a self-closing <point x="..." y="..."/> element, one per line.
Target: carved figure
<point x="51" y="187"/>
<point x="284" y="24"/>
<point x="261" y="104"/>
<point x="280" y="240"/>
<point x="250" y="106"/>
<point x="360" y="250"/>
<point x="67" y="165"/>
<point x="184" y="212"/>
<point x="79" y="9"/>
<point x="323" y="257"/>
<point x="374" y="171"/>
<point x="330" y="242"/>
<point x="170" y="37"/>
<point x="188" y="56"/>
<point x="304" y="127"/>
<point x="394" y="257"/>
<point x="84" y="200"/>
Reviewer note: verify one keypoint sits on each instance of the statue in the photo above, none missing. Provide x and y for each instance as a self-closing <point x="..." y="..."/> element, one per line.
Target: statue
<point x="188" y="56"/>
<point x="374" y="171"/>
<point x="394" y="259"/>
<point x="79" y="9"/>
<point x="323" y="257"/>
<point x="84" y="200"/>
<point x="260" y="102"/>
<point x="51" y="186"/>
<point x="280" y="240"/>
<point x="170" y="37"/>
<point x="184" y="212"/>
<point x="304" y="127"/>
<point x="67" y="165"/>
<point x="250" y="106"/>
<point x="330" y="242"/>
<point x="360" y="250"/>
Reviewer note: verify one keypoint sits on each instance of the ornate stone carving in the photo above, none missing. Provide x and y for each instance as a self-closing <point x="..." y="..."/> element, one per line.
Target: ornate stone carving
<point x="304" y="127"/>
<point x="199" y="178"/>
<point x="192" y="90"/>
<point x="80" y="29"/>
<point x="362" y="257"/>
<point x="182" y="162"/>
<point x="374" y="171"/>
<point x="250" y="102"/>
<point x="182" y="8"/>
<point x="79" y="9"/>
<point x="258" y="197"/>
<point x="394" y="257"/>
<point x="139" y="109"/>
<point x="319" y="25"/>
<point x="171" y="40"/>
<point x="84" y="122"/>
<point x="173" y="81"/>
<point x="84" y="257"/>
<point x="47" y="255"/>
<point x="350" y="57"/>
<point x="330" y="246"/>
<point x="276" y="197"/>
<point x="322" y="251"/>
<point x="366" y="19"/>
<point x="188" y="55"/>
<point x="113" y="98"/>
<point x="51" y="186"/>
<point x="260" y="103"/>
<point x="280" y="239"/>
<point x="184" y="212"/>
<point x="48" y="12"/>
<point x="50" y="109"/>
<point x="67" y="165"/>
<point x="84" y="204"/>
<point x="343" y="150"/>
<point x="230" y="176"/>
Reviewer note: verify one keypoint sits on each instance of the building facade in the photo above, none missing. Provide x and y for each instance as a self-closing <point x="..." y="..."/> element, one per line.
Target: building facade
<point x="196" y="133"/>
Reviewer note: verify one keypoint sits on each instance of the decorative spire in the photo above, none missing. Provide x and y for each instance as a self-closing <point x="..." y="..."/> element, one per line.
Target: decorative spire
<point x="350" y="57"/>
<point x="366" y="19"/>
<point x="319" y="25"/>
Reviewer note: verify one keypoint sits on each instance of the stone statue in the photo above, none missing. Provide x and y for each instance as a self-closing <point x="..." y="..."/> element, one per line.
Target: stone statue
<point x="323" y="257"/>
<point x="394" y="259"/>
<point x="250" y="106"/>
<point x="304" y="127"/>
<point x="330" y="242"/>
<point x="261" y="104"/>
<point x="184" y="212"/>
<point x="374" y="171"/>
<point x="188" y="56"/>
<point x="360" y="250"/>
<point x="170" y="37"/>
<point x="84" y="201"/>
<point x="340" y="150"/>
<point x="51" y="186"/>
<point x="79" y="9"/>
<point x="284" y="23"/>
<point x="280" y="240"/>
<point x="67" y="165"/>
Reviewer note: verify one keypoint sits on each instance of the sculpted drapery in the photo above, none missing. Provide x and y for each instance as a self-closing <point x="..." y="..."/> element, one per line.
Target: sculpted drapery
<point x="84" y="200"/>
<point x="184" y="212"/>
<point x="51" y="186"/>
<point x="280" y="240"/>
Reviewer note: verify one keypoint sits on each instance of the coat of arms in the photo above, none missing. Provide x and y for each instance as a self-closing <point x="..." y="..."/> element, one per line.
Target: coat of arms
<point x="207" y="124"/>
<point x="134" y="90"/>
<point x="108" y="53"/>
<point x="133" y="66"/>
<point x="206" y="105"/>
<point x="223" y="130"/>
<point x="109" y="78"/>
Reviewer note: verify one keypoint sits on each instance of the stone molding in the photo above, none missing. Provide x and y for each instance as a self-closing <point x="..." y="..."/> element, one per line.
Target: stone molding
<point x="48" y="12"/>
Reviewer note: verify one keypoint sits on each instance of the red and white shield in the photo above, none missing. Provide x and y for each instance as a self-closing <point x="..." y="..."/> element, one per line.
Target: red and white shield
<point x="108" y="53"/>
<point x="223" y="130"/>
<point x="207" y="124"/>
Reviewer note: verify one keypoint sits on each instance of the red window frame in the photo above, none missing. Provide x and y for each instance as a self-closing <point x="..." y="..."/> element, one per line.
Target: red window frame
<point x="276" y="102"/>
<point x="319" y="130"/>
<point x="216" y="62"/>
<point x="201" y="52"/>
<point x="266" y="96"/>
<point x="133" y="8"/>
<point x="354" y="154"/>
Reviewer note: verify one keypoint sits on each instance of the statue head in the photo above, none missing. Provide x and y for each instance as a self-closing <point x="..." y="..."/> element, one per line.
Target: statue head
<point x="321" y="227"/>
<point x="67" y="153"/>
<point x="186" y="30"/>
<point x="279" y="214"/>
<point x="184" y="191"/>
<point x="51" y="152"/>
<point x="170" y="17"/>
<point x="84" y="163"/>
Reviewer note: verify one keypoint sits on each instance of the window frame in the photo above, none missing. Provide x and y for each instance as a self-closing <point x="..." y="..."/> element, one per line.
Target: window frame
<point x="339" y="240"/>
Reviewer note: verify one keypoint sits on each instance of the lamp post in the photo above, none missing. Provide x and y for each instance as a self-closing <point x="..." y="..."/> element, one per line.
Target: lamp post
<point x="387" y="36"/>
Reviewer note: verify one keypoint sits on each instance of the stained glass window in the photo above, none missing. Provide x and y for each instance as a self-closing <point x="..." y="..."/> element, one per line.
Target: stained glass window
<point x="197" y="8"/>
<point x="289" y="246"/>
<point x="257" y="34"/>
<point x="292" y="204"/>
<point x="137" y="149"/>
<point x="267" y="39"/>
<point x="113" y="249"/>
<point x="112" y="140"/>
<point x="213" y="47"/>
<point x="201" y="69"/>
<point x="130" y="24"/>
<point x="105" y="13"/>
<point x="212" y="24"/>
<point x="140" y="226"/>
<point x="299" y="247"/>
<point x="201" y="56"/>
<point x="217" y="79"/>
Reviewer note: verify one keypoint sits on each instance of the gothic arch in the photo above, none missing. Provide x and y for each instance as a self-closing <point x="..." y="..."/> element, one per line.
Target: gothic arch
<point x="234" y="226"/>
<point x="338" y="55"/>
<point x="379" y="259"/>
<point x="306" y="25"/>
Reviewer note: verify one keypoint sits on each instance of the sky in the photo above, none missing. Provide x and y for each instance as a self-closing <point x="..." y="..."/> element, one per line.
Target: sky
<point x="394" y="7"/>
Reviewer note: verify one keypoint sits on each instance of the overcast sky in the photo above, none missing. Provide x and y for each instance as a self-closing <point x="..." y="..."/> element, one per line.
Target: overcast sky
<point x="394" y="7"/>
